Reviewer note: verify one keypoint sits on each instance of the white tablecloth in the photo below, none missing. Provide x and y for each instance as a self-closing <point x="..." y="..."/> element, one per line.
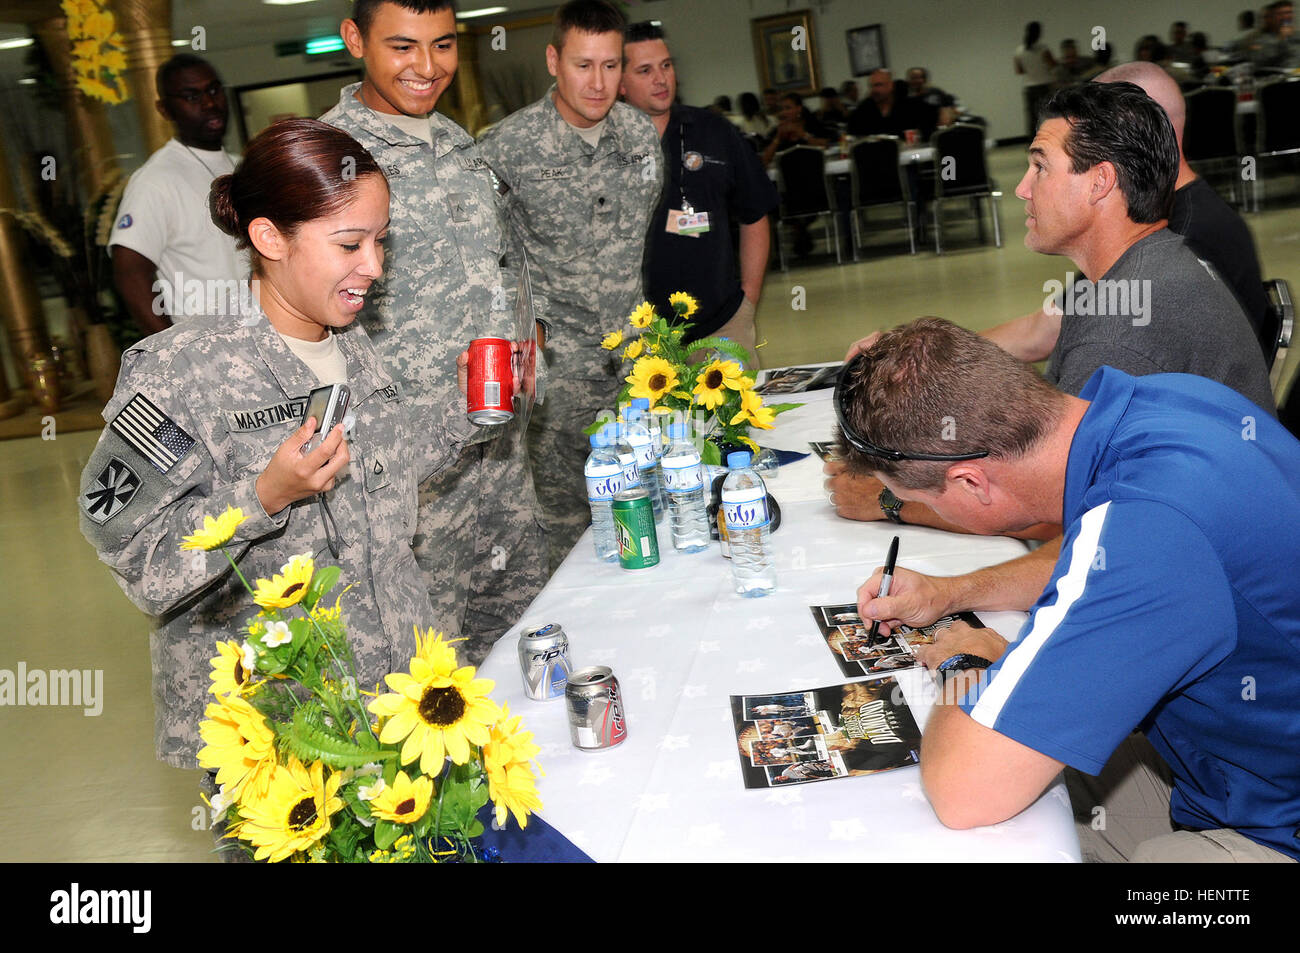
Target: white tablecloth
<point x="680" y="642"/>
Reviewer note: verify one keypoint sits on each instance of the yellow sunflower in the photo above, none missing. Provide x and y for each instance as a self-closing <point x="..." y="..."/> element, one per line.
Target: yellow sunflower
<point x="438" y="709"/>
<point x="511" y="782"/>
<point x="753" y="411"/>
<point x="611" y="340"/>
<point x="215" y="532"/>
<point x="293" y="814"/>
<point x="229" y="674"/>
<point x="404" y="801"/>
<point x="683" y="304"/>
<point x="713" y="382"/>
<point x="642" y="316"/>
<point x="288" y="586"/>
<point x="240" y="745"/>
<point x="633" y="350"/>
<point x="434" y="649"/>
<point x="652" y="377"/>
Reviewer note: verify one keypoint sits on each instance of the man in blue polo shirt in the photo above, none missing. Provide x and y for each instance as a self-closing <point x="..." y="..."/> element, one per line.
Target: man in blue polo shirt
<point x="1172" y="607"/>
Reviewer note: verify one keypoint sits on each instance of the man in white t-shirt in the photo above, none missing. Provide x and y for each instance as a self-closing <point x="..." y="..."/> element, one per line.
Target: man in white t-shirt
<point x="169" y="260"/>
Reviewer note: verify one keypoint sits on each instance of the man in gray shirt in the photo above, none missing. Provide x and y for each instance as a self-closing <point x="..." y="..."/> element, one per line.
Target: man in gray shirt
<point x="1099" y="190"/>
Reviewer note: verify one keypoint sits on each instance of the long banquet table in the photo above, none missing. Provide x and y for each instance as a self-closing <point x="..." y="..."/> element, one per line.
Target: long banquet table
<point x="680" y="642"/>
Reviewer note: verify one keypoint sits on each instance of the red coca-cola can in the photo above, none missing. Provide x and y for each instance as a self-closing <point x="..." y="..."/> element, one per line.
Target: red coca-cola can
<point x="491" y="393"/>
<point x="913" y="136"/>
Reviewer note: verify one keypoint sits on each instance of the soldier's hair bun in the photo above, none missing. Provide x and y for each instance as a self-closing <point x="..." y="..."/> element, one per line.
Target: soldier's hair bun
<point x="222" y="207"/>
<point x="294" y="172"/>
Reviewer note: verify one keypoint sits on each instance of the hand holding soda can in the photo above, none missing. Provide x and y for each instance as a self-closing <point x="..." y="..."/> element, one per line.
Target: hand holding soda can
<point x="491" y="386"/>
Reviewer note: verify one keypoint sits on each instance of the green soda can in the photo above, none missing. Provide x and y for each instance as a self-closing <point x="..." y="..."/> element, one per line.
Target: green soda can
<point x="634" y="525"/>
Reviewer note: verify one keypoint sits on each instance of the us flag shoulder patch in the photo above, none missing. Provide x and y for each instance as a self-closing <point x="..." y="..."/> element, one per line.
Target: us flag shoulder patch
<point x="112" y="490"/>
<point x="151" y="433"/>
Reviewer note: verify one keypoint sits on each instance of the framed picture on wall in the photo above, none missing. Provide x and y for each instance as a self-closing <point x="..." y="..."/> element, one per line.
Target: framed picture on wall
<point x="786" y="53"/>
<point x="867" y="49"/>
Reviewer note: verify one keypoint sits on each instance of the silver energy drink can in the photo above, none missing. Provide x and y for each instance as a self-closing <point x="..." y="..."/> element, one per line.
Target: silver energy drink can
<point x="544" y="661"/>
<point x="595" y="709"/>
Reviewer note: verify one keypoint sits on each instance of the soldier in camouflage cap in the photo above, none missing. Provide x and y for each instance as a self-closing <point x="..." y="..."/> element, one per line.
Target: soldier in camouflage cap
<point x="209" y="415"/>
<point x="479" y="542"/>
<point x="584" y="176"/>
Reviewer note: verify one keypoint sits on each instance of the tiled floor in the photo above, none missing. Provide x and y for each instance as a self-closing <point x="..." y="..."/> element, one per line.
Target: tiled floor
<point x="78" y="787"/>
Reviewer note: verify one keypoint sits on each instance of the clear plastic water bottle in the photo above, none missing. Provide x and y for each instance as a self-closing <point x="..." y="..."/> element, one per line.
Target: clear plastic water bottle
<point x="684" y="485"/>
<point x="626" y="455"/>
<point x="637" y="434"/>
<point x="604" y="476"/>
<point x="744" y="503"/>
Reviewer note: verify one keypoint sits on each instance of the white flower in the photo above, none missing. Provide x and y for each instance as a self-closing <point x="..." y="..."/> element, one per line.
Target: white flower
<point x="219" y="804"/>
<point x="249" y="661"/>
<point x="373" y="791"/>
<point x="277" y="633"/>
<point x="294" y="562"/>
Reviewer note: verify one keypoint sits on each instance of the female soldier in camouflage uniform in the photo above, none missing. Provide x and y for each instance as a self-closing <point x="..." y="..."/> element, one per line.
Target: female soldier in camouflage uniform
<point x="209" y="414"/>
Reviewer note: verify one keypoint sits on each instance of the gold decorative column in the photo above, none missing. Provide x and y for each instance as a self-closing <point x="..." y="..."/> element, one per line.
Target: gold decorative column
<point x="87" y="122"/>
<point x="146" y="26"/>
<point x="20" y="305"/>
<point x="468" y="88"/>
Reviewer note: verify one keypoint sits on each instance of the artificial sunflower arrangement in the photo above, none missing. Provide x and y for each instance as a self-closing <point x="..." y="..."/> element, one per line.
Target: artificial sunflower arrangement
<point x="308" y="771"/>
<point x="98" y="50"/>
<point x="715" y="393"/>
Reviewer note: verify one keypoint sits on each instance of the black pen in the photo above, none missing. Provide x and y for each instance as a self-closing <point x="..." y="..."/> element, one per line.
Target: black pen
<point x="885" y="580"/>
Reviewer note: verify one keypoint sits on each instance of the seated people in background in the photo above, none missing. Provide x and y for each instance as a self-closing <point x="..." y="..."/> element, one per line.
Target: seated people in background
<point x="1207" y="223"/>
<point x="832" y="111"/>
<point x="1179" y="49"/>
<point x="1275" y="45"/>
<point x="753" y="121"/>
<point x="1149" y="49"/>
<point x="849" y="94"/>
<point x="1174" y="314"/>
<point x="1100" y="63"/>
<point x="931" y="99"/>
<point x="887" y="110"/>
<point x="1071" y="66"/>
<point x="1173" y="596"/>
<point x="796" y="127"/>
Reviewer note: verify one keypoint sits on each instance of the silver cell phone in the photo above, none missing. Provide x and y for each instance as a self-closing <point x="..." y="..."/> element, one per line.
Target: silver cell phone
<point x="329" y="405"/>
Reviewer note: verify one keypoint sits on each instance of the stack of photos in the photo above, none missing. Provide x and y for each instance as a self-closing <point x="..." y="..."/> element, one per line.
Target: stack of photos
<point x="848" y="638"/>
<point x="824" y="449"/>
<point x="834" y="732"/>
<point x="796" y="380"/>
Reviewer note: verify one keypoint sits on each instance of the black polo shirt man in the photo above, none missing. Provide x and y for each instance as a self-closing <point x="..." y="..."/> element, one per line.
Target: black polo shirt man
<point x="711" y="170"/>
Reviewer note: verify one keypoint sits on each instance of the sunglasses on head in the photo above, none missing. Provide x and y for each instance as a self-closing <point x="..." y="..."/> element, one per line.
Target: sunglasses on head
<point x="865" y="446"/>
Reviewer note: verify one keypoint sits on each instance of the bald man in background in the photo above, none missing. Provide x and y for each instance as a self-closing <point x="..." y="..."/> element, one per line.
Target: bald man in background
<point x="1208" y="224"/>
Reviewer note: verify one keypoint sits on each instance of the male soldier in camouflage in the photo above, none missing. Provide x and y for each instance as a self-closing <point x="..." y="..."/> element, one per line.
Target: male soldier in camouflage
<point x="584" y="177"/>
<point x="479" y="541"/>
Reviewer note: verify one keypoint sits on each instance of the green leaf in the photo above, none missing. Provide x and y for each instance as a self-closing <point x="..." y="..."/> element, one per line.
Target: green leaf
<point x="475" y="829"/>
<point x="386" y="834"/>
<point x="322" y="582"/>
<point x="725" y="345"/>
<point x="308" y="739"/>
<point x="781" y="408"/>
<point x="710" y="454"/>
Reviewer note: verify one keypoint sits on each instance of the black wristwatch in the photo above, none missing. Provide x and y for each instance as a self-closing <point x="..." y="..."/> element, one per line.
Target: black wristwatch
<point x="960" y="663"/>
<point x="891" y="506"/>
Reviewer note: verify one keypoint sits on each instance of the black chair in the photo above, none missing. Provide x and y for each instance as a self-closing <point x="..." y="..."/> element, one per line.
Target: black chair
<point x="804" y="194"/>
<point x="1278" y="130"/>
<point x="961" y="172"/>
<point x="1210" y="134"/>
<point x="877" y="179"/>
<point x="1279" y="320"/>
